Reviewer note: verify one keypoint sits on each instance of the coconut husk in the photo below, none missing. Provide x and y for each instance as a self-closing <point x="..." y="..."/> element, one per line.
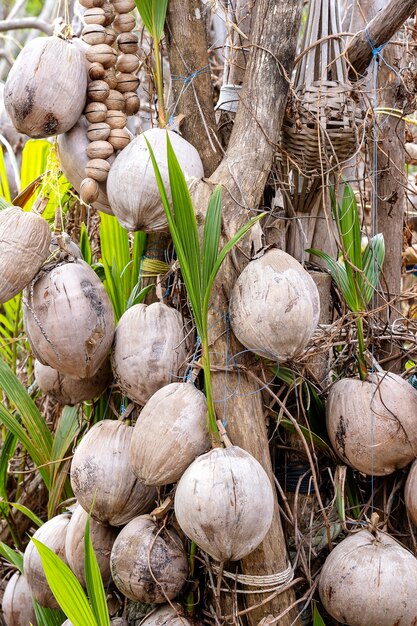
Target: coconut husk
<point x="17" y="603"/>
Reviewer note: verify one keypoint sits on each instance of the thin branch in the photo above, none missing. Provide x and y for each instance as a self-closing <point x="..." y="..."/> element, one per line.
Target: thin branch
<point x="26" y="22"/>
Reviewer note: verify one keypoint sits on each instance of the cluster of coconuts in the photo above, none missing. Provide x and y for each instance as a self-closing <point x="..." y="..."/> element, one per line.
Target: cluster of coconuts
<point x="111" y="94"/>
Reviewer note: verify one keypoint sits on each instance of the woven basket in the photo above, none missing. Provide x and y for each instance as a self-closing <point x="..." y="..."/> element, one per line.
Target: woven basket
<point x="322" y="121"/>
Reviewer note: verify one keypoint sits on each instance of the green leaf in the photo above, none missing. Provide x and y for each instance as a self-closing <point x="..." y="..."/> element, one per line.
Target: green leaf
<point x="29" y="514"/>
<point x="153" y="14"/>
<point x="48" y="617"/>
<point x="317" y="619"/>
<point x="34" y="163"/>
<point x="211" y="235"/>
<point x="373" y="260"/>
<point x="138" y="295"/>
<point x="66" y="588"/>
<point x="12" y="556"/>
<point x="4" y="184"/>
<point x="95" y="587"/>
<point x="66" y="433"/>
<point x="340" y="277"/>
<point x="7" y="450"/>
<point x="85" y="245"/>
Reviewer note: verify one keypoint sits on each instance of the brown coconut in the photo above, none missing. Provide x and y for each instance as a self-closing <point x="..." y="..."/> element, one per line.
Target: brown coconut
<point x="52" y="534"/>
<point x="117" y="621"/>
<point x="149" y="349"/>
<point x="70" y="391"/>
<point x="24" y="247"/>
<point x="102" y="538"/>
<point x="45" y="90"/>
<point x="73" y="158"/>
<point x="101" y="475"/>
<point x="410" y="493"/>
<point x="372" y="424"/>
<point x="17" y="604"/>
<point x="224" y="503"/>
<point x="131" y="186"/>
<point x="369" y="580"/>
<point x="170" y="433"/>
<point x="69" y="319"/>
<point x="148" y="563"/>
<point x="274" y="306"/>
<point x="167" y="615"/>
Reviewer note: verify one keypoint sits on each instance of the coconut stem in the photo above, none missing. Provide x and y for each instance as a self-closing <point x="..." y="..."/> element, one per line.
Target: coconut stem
<point x="212" y="425"/>
<point x="159" y="81"/>
<point x="363" y="372"/>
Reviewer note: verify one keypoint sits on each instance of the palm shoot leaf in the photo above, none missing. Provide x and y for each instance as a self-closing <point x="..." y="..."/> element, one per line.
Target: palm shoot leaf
<point x="95" y="588"/>
<point x="153" y="14"/>
<point x="12" y="556"/>
<point x="48" y="617"/>
<point x="373" y="259"/>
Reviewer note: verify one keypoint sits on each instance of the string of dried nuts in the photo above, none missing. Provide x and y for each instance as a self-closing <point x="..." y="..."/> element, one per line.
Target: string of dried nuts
<point x="112" y="90"/>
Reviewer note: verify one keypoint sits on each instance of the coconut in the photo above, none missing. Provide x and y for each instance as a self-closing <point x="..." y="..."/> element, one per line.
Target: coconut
<point x="149" y="349"/>
<point x="169" y="434"/>
<point x="167" y="616"/>
<point x="131" y="186"/>
<point x="410" y="493"/>
<point x="117" y="621"/>
<point x="73" y="157"/>
<point x="70" y="391"/>
<point x="45" y="90"/>
<point x="101" y="475"/>
<point x="371" y="424"/>
<point x="69" y="319"/>
<point x="369" y="580"/>
<point x="17" y="604"/>
<point x="224" y="503"/>
<point x="274" y="306"/>
<point x="102" y="538"/>
<point x="52" y="534"/>
<point x="24" y="247"/>
<point x="148" y="563"/>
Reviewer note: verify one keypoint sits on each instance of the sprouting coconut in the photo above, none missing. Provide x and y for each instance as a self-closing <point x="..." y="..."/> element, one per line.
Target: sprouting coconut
<point x="101" y="475"/>
<point x="148" y="563"/>
<point x="17" y="603"/>
<point x="224" y="502"/>
<point x="69" y="391"/>
<point x="371" y="423"/>
<point x="149" y="349"/>
<point x="274" y="306"/>
<point x="132" y="187"/>
<point x="102" y="538"/>
<point x="73" y="159"/>
<point x="369" y="580"/>
<point x="24" y="247"/>
<point x="46" y="88"/>
<point x="52" y="534"/>
<point x="69" y="319"/>
<point x="170" y="433"/>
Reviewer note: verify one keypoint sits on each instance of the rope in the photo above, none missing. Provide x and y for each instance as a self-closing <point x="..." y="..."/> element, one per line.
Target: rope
<point x="261" y="584"/>
<point x="229" y="98"/>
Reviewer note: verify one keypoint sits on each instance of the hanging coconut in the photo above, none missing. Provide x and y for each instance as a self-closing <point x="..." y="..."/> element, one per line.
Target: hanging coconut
<point x="69" y="319"/>
<point x="45" y="90"/>
<point x="24" y="247"/>
<point x="224" y="503"/>
<point x="52" y="534"/>
<point x="148" y="563"/>
<point x="167" y="615"/>
<point x="369" y="580"/>
<point x="274" y="306"/>
<point x="70" y="391"/>
<point x="371" y="423"/>
<point x="131" y="186"/>
<point x="17" y="604"/>
<point x="149" y="349"/>
<point x="170" y="433"/>
<point x="73" y="157"/>
<point x="410" y="493"/>
<point x="101" y="475"/>
<point x="102" y="538"/>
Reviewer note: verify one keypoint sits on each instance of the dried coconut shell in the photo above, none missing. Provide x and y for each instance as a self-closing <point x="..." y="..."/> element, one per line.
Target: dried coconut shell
<point x="101" y="475"/>
<point x="24" y="247"/>
<point x="69" y="319"/>
<point x="52" y="534"/>
<point x="102" y="538"/>
<point x="371" y="423"/>
<point x="17" y="604"/>
<point x="224" y="502"/>
<point x="167" y="615"/>
<point x="169" y="434"/>
<point x="149" y="349"/>
<point x="274" y="306"/>
<point x="69" y="391"/>
<point x="45" y="90"/>
<point x="131" y="186"/>
<point x="148" y="564"/>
